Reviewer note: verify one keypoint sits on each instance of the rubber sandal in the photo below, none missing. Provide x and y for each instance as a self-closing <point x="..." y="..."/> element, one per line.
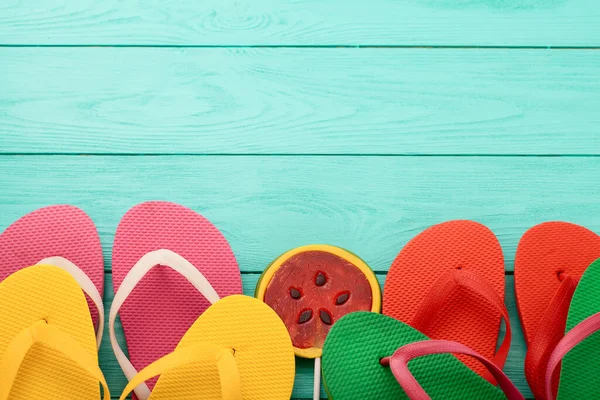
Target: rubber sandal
<point x="365" y="356"/>
<point x="47" y="339"/>
<point x="63" y="236"/>
<point x="238" y="349"/>
<point x="578" y="349"/>
<point x="550" y="259"/>
<point x="448" y="282"/>
<point x="169" y="265"/>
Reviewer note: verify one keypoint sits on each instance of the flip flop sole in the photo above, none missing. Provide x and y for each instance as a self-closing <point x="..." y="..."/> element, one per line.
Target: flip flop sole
<point x="439" y="249"/>
<point x="544" y="252"/>
<point x="263" y="353"/>
<point x="47" y="293"/>
<point x="60" y="230"/>
<point x="164" y="305"/>
<point x="580" y="372"/>
<point x="351" y="368"/>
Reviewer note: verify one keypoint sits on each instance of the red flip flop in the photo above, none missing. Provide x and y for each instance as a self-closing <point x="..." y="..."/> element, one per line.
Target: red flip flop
<point x="550" y="259"/>
<point x="169" y="265"/>
<point x="448" y="282"/>
<point x="63" y="236"/>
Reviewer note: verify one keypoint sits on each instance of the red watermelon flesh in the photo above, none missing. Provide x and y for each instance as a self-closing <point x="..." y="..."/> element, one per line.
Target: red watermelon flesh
<point x="312" y="290"/>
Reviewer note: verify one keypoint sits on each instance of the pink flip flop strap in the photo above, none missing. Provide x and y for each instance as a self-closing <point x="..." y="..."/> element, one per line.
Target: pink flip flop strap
<point x="440" y="292"/>
<point x="548" y="334"/>
<point x="575" y="336"/>
<point x="398" y="363"/>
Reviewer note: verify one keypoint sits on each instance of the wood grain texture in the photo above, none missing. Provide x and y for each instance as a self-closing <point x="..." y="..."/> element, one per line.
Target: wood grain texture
<point x="302" y="22"/>
<point x="246" y="135"/>
<point x="299" y="101"/>
<point x="267" y="205"/>
<point x="304" y="368"/>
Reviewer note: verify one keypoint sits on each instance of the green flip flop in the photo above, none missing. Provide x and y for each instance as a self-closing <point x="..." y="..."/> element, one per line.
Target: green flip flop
<point x="580" y="372"/>
<point x="359" y="341"/>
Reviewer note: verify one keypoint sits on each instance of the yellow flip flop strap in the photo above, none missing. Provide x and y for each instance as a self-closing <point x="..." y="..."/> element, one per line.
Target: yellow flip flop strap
<point x="41" y="332"/>
<point x="231" y="385"/>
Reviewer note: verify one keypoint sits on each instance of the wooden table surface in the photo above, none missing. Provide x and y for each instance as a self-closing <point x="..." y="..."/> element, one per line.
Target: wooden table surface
<point x="288" y="122"/>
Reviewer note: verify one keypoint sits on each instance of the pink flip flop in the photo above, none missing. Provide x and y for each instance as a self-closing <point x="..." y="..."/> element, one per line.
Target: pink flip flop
<point x="63" y="236"/>
<point x="169" y="265"/>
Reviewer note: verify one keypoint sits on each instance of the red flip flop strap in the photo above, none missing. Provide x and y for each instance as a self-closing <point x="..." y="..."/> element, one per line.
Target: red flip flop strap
<point x="441" y="290"/>
<point x="549" y="332"/>
<point x="578" y="334"/>
<point x="399" y="366"/>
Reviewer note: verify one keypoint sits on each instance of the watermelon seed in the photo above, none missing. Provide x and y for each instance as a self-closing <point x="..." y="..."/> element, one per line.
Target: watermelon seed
<point x="325" y="317"/>
<point x="305" y="316"/>
<point x="295" y="293"/>
<point x="320" y="279"/>
<point x="342" y="298"/>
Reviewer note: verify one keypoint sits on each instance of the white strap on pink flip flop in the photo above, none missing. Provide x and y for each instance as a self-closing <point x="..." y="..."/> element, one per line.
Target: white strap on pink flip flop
<point x="86" y="285"/>
<point x="134" y="276"/>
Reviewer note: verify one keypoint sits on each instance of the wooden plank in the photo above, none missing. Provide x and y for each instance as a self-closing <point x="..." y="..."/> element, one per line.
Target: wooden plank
<point x="302" y="22"/>
<point x="299" y="101"/>
<point x="304" y="368"/>
<point x="267" y="205"/>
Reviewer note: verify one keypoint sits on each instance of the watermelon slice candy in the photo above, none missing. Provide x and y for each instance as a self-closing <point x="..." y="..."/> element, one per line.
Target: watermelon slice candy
<point x="311" y="287"/>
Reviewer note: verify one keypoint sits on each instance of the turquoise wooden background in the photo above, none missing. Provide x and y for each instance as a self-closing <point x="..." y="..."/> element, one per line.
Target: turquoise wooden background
<point x="355" y="123"/>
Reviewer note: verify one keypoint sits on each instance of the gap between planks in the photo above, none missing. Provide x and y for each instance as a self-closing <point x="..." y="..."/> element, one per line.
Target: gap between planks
<point x="26" y="154"/>
<point x="299" y="46"/>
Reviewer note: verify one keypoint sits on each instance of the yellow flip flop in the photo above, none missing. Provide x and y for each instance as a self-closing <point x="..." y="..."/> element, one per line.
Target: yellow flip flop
<point x="47" y="339"/>
<point x="237" y="349"/>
